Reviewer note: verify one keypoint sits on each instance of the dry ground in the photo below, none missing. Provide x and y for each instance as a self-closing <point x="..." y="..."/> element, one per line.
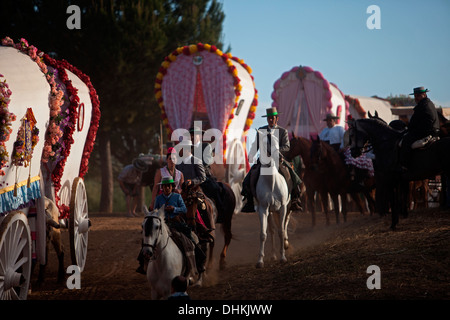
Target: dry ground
<point x="323" y="262"/>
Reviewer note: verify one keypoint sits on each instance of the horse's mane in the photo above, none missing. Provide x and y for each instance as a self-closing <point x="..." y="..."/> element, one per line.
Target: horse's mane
<point x="381" y="124"/>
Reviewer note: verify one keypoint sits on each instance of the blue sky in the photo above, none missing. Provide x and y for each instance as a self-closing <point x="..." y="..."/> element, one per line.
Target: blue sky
<point x="411" y="49"/>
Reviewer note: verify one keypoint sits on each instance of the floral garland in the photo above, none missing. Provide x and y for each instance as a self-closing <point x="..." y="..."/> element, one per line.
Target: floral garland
<point x="189" y="50"/>
<point x="53" y="133"/>
<point x="6" y="119"/>
<point x="27" y="138"/>
<point x="69" y="126"/>
<point x="95" y="117"/>
<point x="57" y="144"/>
<point x="252" y="112"/>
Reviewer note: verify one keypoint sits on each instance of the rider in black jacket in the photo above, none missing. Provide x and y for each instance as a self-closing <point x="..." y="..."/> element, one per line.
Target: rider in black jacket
<point x="423" y="122"/>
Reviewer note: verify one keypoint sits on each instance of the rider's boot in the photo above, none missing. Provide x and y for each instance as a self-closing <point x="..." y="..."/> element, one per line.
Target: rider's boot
<point x="296" y="202"/>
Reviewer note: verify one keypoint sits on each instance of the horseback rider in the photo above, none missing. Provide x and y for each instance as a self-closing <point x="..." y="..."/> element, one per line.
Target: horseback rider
<point x="249" y="183"/>
<point x="332" y="134"/>
<point x="423" y="123"/>
<point x="173" y="210"/>
<point x="210" y="187"/>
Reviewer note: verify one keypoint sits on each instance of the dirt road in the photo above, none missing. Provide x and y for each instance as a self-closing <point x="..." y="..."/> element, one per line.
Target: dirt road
<point x="323" y="263"/>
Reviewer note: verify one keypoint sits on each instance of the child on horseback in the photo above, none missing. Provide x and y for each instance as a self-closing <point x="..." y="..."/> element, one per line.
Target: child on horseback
<point x="174" y="207"/>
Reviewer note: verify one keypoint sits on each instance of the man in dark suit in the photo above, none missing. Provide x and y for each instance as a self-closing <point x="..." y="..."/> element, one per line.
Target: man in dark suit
<point x="210" y="187"/>
<point x="249" y="184"/>
<point x="191" y="167"/>
<point x="424" y="122"/>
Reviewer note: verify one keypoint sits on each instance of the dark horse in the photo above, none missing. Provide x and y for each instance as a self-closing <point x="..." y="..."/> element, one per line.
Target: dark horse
<point x="337" y="180"/>
<point x="426" y="162"/>
<point x="196" y="200"/>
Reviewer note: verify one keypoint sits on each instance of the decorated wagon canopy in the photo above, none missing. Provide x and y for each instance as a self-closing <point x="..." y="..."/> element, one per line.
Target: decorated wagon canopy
<point x="304" y="98"/>
<point x="201" y="83"/>
<point x="50" y="116"/>
<point x="360" y="106"/>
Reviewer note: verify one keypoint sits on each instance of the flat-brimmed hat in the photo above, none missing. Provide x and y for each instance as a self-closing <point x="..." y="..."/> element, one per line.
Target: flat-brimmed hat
<point x="196" y="129"/>
<point x="167" y="180"/>
<point x="271" y="112"/>
<point x="419" y="90"/>
<point x="186" y="142"/>
<point x="140" y="165"/>
<point x="330" y="116"/>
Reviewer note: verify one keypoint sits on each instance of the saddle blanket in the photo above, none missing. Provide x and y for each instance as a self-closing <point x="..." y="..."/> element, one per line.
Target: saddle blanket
<point x="361" y="162"/>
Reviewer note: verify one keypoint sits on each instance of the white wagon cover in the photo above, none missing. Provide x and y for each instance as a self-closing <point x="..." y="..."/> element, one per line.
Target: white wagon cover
<point x="53" y="97"/>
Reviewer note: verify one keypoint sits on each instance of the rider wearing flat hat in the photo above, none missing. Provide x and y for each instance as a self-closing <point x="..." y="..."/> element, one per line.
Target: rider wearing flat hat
<point x="250" y="180"/>
<point x="424" y="122"/>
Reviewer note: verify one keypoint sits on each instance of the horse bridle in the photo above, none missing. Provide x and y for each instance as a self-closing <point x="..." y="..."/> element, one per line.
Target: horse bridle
<point x="362" y="149"/>
<point x="153" y="246"/>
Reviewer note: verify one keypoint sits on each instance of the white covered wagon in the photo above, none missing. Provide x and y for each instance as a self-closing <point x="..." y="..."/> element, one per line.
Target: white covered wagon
<point x="50" y="117"/>
<point x="303" y="97"/>
<point x="201" y="84"/>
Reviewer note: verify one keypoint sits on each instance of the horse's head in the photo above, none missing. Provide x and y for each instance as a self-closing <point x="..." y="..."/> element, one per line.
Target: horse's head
<point x="153" y="229"/>
<point x="357" y="138"/>
<point x="316" y="151"/>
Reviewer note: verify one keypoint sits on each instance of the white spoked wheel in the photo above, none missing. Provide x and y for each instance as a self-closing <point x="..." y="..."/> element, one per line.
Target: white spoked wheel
<point x="235" y="173"/>
<point x="79" y="223"/>
<point x="15" y="257"/>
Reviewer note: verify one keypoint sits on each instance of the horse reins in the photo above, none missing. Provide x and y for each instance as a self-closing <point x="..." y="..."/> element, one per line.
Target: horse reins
<point x="153" y="246"/>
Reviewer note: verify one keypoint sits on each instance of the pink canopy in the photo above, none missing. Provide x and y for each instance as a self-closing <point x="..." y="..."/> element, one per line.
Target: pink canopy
<point x="304" y="97"/>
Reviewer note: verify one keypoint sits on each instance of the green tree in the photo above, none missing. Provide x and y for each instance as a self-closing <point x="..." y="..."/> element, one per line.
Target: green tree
<point x="120" y="45"/>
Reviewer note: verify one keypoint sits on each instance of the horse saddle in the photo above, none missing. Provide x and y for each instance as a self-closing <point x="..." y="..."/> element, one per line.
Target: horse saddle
<point x="424" y="142"/>
<point x="421" y="143"/>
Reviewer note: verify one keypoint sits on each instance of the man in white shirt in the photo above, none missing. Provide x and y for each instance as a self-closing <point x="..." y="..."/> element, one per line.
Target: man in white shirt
<point x="333" y="134"/>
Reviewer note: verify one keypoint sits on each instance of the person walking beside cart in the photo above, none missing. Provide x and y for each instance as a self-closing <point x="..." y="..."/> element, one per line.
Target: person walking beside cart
<point x="130" y="181"/>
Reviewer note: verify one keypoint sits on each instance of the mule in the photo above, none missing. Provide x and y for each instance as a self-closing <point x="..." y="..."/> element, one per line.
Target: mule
<point x="424" y="163"/>
<point x="272" y="198"/>
<point x="53" y="237"/>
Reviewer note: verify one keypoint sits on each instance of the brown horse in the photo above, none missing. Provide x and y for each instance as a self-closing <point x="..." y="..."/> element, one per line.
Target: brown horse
<point x="200" y="209"/>
<point x="196" y="200"/>
<point x="335" y="173"/>
<point x="311" y="178"/>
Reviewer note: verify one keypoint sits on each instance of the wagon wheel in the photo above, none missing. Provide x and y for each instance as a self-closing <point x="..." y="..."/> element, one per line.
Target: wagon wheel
<point x="236" y="170"/>
<point x="15" y="257"/>
<point x="78" y="223"/>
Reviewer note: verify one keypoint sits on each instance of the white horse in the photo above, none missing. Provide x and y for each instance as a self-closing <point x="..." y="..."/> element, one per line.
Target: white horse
<point x="272" y="197"/>
<point x="166" y="259"/>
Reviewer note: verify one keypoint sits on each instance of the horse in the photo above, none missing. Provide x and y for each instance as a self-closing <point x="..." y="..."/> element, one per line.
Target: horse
<point x="335" y="178"/>
<point x="311" y="178"/>
<point x="166" y="260"/>
<point x="424" y="163"/>
<point x="197" y="215"/>
<point x="272" y="197"/>
<point x="227" y="212"/>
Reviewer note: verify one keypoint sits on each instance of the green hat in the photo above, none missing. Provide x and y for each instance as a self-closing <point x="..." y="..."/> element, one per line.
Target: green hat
<point x="167" y="180"/>
<point x="271" y="112"/>
<point x="196" y="130"/>
<point x="419" y="90"/>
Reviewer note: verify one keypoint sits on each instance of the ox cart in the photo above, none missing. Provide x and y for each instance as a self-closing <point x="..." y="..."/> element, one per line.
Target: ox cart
<point x="199" y="84"/>
<point x="50" y="115"/>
